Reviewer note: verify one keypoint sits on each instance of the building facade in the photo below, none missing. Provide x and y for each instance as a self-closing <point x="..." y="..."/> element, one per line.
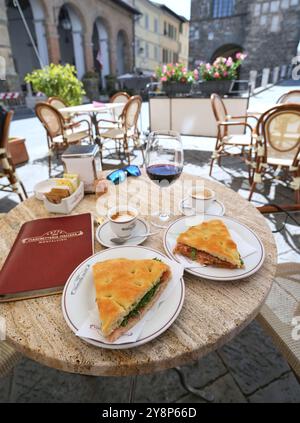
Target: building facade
<point x="161" y="36"/>
<point x="91" y="34"/>
<point x="267" y="30"/>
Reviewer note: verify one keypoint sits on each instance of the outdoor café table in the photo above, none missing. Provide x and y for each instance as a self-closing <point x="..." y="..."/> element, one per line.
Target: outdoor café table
<point x="213" y="312"/>
<point x="92" y="110"/>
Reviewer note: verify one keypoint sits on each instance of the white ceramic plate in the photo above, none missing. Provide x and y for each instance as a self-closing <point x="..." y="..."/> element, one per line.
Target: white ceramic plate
<point x="76" y="307"/>
<point x="104" y="234"/>
<point x="252" y="263"/>
<point x="42" y="187"/>
<point x="217" y="208"/>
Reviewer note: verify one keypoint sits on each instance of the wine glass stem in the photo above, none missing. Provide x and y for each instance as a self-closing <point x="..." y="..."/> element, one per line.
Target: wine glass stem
<point x="164" y="214"/>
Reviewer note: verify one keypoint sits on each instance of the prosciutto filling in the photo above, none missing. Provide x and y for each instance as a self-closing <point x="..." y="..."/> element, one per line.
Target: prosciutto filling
<point x="202" y="257"/>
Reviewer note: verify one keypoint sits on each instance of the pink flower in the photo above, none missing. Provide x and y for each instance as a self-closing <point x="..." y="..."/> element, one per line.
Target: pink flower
<point x="208" y="66"/>
<point x="163" y="79"/>
<point x="225" y="74"/>
<point x="216" y="75"/>
<point x="164" y="69"/>
<point x="229" y="61"/>
<point x="184" y="70"/>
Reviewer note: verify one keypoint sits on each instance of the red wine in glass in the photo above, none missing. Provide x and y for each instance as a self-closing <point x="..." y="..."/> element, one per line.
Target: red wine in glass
<point x="164" y="164"/>
<point x="164" y="172"/>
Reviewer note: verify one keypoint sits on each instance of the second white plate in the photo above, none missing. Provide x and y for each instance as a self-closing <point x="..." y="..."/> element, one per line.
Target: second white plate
<point x="252" y="263"/>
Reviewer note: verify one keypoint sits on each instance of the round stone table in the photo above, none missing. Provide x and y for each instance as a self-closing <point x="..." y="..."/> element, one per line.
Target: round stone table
<point x="212" y="314"/>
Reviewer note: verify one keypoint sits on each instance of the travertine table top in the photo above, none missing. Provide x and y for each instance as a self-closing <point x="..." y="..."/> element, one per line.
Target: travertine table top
<point x="212" y="314"/>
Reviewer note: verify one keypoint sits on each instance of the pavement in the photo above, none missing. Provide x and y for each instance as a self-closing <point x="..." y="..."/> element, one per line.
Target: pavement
<point x="248" y="369"/>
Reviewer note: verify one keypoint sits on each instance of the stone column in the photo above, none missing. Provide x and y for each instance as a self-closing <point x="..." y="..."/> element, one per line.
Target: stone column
<point x="53" y="43"/>
<point x="79" y="53"/>
<point x="88" y="50"/>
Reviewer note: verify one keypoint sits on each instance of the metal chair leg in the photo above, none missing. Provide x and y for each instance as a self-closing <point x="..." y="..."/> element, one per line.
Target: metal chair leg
<point x="206" y="396"/>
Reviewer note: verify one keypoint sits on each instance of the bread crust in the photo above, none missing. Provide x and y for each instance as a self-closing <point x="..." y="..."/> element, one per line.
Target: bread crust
<point x="211" y="237"/>
<point x="120" y="285"/>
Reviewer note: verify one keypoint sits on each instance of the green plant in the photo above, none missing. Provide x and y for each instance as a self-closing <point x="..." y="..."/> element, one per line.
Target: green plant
<point x="222" y="68"/>
<point x="59" y="81"/>
<point x="176" y="73"/>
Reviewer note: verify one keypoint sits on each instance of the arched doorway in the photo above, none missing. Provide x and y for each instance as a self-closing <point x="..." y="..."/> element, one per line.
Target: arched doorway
<point x="227" y="50"/>
<point x="122" y="53"/>
<point x="23" y="53"/>
<point x="100" y="42"/>
<point x="70" y="35"/>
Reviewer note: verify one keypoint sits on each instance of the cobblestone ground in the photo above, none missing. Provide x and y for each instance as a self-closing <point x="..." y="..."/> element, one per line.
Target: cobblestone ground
<point x="248" y="369"/>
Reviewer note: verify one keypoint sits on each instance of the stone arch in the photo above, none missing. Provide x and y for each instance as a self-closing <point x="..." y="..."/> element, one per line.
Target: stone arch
<point x="23" y="53"/>
<point x="227" y="50"/>
<point x="71" y="28"/>
<point x="123" y="52"/>
<point x="101" y="48"/>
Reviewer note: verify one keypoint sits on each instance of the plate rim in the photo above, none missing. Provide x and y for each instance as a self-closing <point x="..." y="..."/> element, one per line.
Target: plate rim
<point x="124" y="245"/>
<point x="217" y="278"/>
<point x="217" y="201"/>
<point x="131" y="344"/>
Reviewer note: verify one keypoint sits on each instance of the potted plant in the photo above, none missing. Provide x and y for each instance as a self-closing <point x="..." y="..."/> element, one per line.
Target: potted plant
<point x="218" y="77"/>
<point x="91" y="82"/>
<point x="57" y="81"/>
<point x="176" y="79"/>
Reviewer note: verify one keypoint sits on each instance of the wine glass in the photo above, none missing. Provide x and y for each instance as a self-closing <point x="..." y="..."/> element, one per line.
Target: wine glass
<point x="164" y="164"/>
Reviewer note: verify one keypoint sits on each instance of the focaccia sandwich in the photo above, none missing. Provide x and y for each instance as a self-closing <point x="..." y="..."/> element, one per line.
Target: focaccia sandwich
<point x="209" y="243"/>
<point x="126" y="290"/>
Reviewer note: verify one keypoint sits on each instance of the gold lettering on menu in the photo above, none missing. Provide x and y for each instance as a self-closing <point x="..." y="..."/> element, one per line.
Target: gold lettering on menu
<point x="56" y="235"/>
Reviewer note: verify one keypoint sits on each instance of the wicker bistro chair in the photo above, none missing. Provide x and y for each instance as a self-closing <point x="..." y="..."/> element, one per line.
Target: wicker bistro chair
<point x="125" y="130"/>
<point x="290" y="97"/>
<point x="59" y="134"/>
<point x="278" y="147"/>
<point x="225" y="142"/>
<point x="115" y="118"/>
<point x="7" y="168"/>
<point x="58" y="104"/>
<point x="280" y="314"/>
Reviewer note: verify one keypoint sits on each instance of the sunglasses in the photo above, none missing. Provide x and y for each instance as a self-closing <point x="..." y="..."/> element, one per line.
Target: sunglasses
<point x="118" y="176"/>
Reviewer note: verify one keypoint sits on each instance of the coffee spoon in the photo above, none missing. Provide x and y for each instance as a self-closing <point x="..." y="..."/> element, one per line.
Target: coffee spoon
<point x="123" y="240"/>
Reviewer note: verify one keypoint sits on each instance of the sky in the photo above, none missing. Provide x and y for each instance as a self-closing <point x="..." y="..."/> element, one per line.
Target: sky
<point x="181" y="7"/>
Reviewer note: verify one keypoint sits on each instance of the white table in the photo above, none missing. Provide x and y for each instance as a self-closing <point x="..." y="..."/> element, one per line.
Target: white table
<point x="92" y="110"/>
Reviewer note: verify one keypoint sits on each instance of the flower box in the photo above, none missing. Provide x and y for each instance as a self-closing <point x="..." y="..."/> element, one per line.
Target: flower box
<point x="175" y="87"/>
<point x="221" y="87"/>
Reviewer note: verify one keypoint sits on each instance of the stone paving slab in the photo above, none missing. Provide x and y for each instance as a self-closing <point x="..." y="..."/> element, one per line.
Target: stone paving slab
<point x="286" y="389"/>
<point x="224" y="389"/>
<point x="252" y="359"/>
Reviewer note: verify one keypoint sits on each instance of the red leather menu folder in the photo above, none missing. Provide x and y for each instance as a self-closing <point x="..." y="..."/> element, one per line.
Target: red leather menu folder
<point x="44" y="254"/>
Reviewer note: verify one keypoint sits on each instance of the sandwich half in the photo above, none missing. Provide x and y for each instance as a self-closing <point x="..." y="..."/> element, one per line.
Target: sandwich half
<point x="210" y="243"/>
<point x="126" y="290"/>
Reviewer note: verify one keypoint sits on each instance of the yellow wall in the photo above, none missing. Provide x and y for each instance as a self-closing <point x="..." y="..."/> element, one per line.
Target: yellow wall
<point x="152" y="45"/>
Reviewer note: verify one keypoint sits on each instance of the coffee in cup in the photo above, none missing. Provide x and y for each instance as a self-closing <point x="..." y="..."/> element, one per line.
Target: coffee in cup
<point x="123" y="220"/>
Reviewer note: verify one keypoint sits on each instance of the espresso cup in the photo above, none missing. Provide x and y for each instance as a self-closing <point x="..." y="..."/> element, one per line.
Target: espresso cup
<point x="201" y="198"/>
<point x="123" y="220"/>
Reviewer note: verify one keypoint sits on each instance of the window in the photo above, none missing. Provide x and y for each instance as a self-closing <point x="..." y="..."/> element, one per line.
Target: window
<point x="165" y="55"/>
<point x="181" y="28"/>
<point x="146" y="21"/>
<point x="156" y="53"/>
<point x="175" y="57"/>
<point x="147" y="50"/>
<point x="165" y="28"/>
<point x="156" y="29"/>
<point x="223" y="8"/>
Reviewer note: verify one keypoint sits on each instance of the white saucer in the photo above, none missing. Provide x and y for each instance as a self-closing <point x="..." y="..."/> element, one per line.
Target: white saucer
<point x="216" y="208"/>
<point x="104" y="234"/>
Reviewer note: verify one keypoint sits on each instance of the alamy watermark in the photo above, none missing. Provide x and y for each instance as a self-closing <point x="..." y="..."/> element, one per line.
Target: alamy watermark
<point x="2" y="329"/>
<point x="296" y="328"/>
<point x="296" y="68"/>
